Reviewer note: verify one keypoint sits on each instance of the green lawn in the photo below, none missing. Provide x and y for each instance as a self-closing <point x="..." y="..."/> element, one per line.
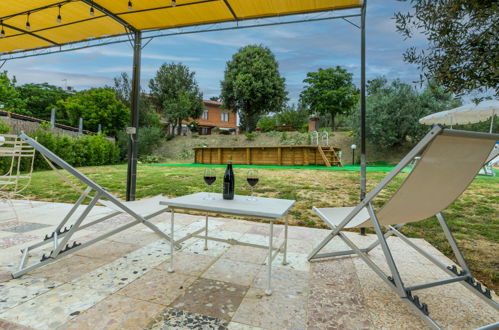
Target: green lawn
<point x="474" y="217"/>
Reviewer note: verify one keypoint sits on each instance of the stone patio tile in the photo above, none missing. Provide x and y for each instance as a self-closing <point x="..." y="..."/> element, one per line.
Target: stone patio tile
<point x="107" y="250"/>
<point x="284" y="280"/>
<point x="69" y="268"/>
<point x="278" y="311"/>
<point x="236" y="272"/>
<point x="386" y="309"/>
<point x="5" y="276"/>
<point x="172" y="318"/>
<point x="306" y="234"/>
<point x="455" y="307"/>
<point x="10" y="223"/>
<point x="299" y="246"/>
<point x="25" y="227"/>
<point x="264" y="230"/>
<point x="223" y="234"/>
<point x="54" y="308"/>
<point x="240" y="326"/>
<point x="215" y="248"/>
<point x="158" y="286"/>
<point x="213" y="298"/>
<point x="119" y="273"/>
<point x="257" y="239"/>
<point x="246" y="254"/>
<point x="4" y="234"/>
<point x="136" y="237"/>
<point x="116" y="312"/>
<point x="295" y="261"/>
<point x="16" y="239"/>
<point x="237" y="225"/>
<point x="188" y="263"/>
<point x="6" y="325"/>
<point x="336" y="300"/>
<point x="17" y="291"/>
<point x="111" y="223"/>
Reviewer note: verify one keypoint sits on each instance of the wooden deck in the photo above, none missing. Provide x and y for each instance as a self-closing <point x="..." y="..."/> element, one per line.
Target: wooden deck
<point x="269" y="155"/>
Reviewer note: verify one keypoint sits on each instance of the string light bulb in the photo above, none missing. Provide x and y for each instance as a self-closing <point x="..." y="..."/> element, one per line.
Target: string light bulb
<point x="59" y="18"/>
<point x="174" y="3"/>
<point x="130" y="5"/>
<point x="28" y="26"/>
<point x="2" y="33"/>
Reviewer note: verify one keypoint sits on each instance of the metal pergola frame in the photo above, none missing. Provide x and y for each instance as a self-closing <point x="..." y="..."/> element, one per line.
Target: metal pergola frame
<point x="139" y="39"/>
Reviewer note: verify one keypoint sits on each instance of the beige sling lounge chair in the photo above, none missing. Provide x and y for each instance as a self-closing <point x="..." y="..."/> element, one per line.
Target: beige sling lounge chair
<point x="450" y="160"/>
<point x="141" y="211"/>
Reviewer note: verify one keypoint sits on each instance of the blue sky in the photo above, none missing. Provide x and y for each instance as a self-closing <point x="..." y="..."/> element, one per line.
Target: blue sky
<point x="299" y="48"/>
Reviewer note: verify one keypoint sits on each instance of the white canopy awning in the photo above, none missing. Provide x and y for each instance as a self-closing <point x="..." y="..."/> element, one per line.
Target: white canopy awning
<point x="466" y="114"/>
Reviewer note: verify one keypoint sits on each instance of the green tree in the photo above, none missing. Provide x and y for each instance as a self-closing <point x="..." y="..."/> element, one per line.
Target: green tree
<point x="329" y="92"/>
<point x="463" y="48"/>
<point x="393" y="111"/>
<point x="148" y="116"/>
<point x="293" y="116"/>
<point x="175" y="91"/>
<point x="96" y="106"/>
<point x="266" y="123"/>
<point x="40" y="99"/>
<point x="252" y="85"/>
<point x="10" y="97"/>
<point x="123" y="89"/>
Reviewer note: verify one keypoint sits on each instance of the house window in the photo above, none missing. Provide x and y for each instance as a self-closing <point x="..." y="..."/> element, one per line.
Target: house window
<point x="204" y="115"/>
<point x="225" y="116"/>
<point x="204" y="131"/>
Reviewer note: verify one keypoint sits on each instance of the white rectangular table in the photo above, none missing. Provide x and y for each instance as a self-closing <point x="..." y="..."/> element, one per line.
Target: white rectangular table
<point x="262" y="208"/>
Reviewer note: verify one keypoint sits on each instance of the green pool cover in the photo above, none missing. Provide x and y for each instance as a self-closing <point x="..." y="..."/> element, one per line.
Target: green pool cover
<point x="379" y="167"/>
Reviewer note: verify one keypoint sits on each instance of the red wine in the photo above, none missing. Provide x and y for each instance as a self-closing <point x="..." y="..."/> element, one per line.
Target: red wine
<point x="252" y="181"/>
<point x="229" y="181"/>
<point x="210" y="179"/>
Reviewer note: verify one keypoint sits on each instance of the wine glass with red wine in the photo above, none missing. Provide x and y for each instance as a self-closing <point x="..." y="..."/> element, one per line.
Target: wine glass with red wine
<point x="252" y="178"/>
<point x="209" y="178"/>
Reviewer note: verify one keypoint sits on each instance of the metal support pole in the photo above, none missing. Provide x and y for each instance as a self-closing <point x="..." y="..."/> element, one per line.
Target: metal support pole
<point x="172" y="243"/>
<point x="268" y="291"/>
<point x="80" y="126"/>
<point x="206" y="234"/>
<point x="52" y="118"/>
<point x="453" y="244"/>
<point x="284" y="257"/>
<point x="386" y="251"/>
<point x="134" y="121"/>
<point x="363" y="173"/>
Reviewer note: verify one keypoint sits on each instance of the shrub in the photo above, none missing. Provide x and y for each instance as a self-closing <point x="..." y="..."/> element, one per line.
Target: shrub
<point x="266" y="123"/>
<point x="186" y="154"/>
<point x="78" y="151"/>
<point x="250" y="136"/>
<point x="150" y="138"/>
<point x="150" y="159"/>
<point x="4" y="127"/>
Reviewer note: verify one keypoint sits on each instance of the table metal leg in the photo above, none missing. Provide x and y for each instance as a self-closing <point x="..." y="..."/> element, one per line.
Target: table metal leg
<point x="206" y="234"/>
<point x="268" y="291"/>
<point x="284" y="261"/>
<point x="172" y="243"/>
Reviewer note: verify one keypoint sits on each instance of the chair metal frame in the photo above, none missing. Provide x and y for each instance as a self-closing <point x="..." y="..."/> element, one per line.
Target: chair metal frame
<point x="61" y="236"/>
<point x="394" y="281"/>
<point x="17" y="178"/>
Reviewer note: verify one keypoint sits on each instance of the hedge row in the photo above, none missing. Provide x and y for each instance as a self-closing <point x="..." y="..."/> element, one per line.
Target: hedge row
<point x="78" y="151"/>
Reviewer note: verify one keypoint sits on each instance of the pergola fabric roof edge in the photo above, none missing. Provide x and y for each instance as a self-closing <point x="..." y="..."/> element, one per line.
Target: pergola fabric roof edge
<point x="31" y="28"/>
